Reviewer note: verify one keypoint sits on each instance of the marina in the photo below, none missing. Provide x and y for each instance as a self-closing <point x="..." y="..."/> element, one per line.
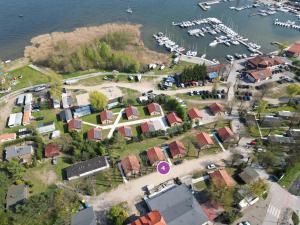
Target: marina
<point x="288" y="24"/>
<point x="222" y="35"/>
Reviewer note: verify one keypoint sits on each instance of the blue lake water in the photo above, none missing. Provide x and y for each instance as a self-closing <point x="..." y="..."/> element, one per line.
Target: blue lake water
<point x="44" y="16"/>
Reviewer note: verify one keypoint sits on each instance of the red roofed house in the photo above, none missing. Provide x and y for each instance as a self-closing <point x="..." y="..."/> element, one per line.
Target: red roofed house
<point x="94" y="134"/>
<point x="225" y="134"/>
<point x="75" y="125"/>
<point x="177" y="149"/>
<point x="195" y="114"/>
<point x="216" y="109"/>
<point x="152" y="218"/>
<point x="262" y="62"/>
<point x="212" y="209"/>
<point x="155" y="155"/>
<point x="173" y="119"/>
<point x="151" y="126"/>
<point x="221" y="178"/>
<point x="106" y="117"/>
<point x="154" y="109"/>
<point x="125" y="131"/>
<point x="259" y="75"/>
<point x="132" y="113"/>
<point x="51" y="150"/>
<point x="8" y="137"/>
<point x="131" y="165"/>
<point x="294" y="50"/>
<point x="204" y="140"/>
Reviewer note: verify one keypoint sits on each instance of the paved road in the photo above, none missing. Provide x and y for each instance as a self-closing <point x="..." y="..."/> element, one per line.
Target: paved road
<point x="132" y="190"/>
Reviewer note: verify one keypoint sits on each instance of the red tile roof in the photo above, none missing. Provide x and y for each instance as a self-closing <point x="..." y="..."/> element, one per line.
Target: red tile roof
<point x="152" y="218"/>
<point x="260" y="74"/>
<point x="173" y="118"/>
<point x="266" y="61"/>
<point x="106" y="115"/>
<point x="204" y="139"/>
<point x="10" y="136"/>
<point x="153" y="107"/>
<point x="145" y="127"/>
<point x="51" y="150"/>
<point x="94" y="134"/>
<point x="212" y="210"/>
<point x="222" y="178"/>
<point x="216" y="108"/>
<point x="74" y="124"/>
<point x="177" y="148"/>
<point x="195" y="113"/>
<point x="215" y="68"/>
<point x="295" y="48"/>
<point x="130" y="163"/>
<point x="125" y="131"/>
<point x="225" y="133"/>
<point x="131" y="111"/>
<point x="155" y="154"/>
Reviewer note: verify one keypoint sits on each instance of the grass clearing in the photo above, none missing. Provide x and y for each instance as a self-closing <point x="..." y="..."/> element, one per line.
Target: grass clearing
<point x="108" y="180"/>
<point x="290" y="175"/>
<point x="92" y="118"/>
<point x="30" y="77"/>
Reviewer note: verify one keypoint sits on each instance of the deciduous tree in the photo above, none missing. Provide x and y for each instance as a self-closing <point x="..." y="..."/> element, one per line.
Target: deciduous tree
<point x="98" y="100"/>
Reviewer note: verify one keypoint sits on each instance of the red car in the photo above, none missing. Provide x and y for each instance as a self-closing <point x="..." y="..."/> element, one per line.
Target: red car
<point x="253" y="142"/>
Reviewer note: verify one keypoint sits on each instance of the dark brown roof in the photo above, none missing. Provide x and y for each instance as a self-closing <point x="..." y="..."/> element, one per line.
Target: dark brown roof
<point x="51" y="150"/>
<point x="177" y="148"/>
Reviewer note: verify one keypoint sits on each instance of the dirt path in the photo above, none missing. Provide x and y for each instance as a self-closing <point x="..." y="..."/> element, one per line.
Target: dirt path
<point x="5" y="109"/>
<point x="132" y="191"/>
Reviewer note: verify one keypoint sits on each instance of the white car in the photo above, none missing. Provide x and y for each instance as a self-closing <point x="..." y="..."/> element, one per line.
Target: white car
<point x="211" y="166"/>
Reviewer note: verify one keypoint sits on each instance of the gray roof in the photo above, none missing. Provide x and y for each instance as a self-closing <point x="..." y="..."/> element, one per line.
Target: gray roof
<point x="178" y="206"/>
<point x="97" y="134"/>
<point x="45" y="127"/>
<point x="15" y="119"/>
<point x="17" y="151"/>
<point x="16" y="194"/>
<point x="20" y="100"/>
<point x="249" y="175"/>
<point x="66" y="115"/>
<point x="281" y="139"/>
<point x="286" y="114"/>
<point x="86" y="166"/>
<point x="82" y="111"/>
<point x="128" y="131"/>
<point x="84" y="217"/>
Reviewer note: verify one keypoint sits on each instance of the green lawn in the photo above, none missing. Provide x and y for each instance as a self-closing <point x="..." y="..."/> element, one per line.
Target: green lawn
<point x="200" y="186"/>
<point x="45" y="174"/>
<point x="130" y="93"/>
<point x="92" y="81"/>
<point x="92" y="118"/>
<point x="290" y="175"/>
<point x="108" y="180"/>
<point x="79" y="73"/>
<point x="30" y="77"/>
<point x="282" y="108"/>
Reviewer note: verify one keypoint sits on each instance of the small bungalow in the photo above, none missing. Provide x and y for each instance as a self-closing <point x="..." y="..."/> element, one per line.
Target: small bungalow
<point x="225" y="134"/>
<point x="216" y="109"/>
<point x="66" y="115"/>
<point x="280" y="139"/>
<point x="151" y="218"/>
<point x="82" y="111"/>
<point x="15" y="119"/>
<point x="151" y="126"/>
<point x="126" y="131"/>
<point x="195" y="114"/>
<point x="173" y="119"/>
<point x="204" y="140"/>
<point x="131" y="165"/>
<point x="85" y="168"/>
<point x="75" y="125"/>
<point x="155" y="155"/>
<point x="51" y="150"/>
<point x="44" y="128"/>
<point x="8" y="137"/>
<point x="177" y="149"/>
<point x="294" y="133"/>
<point x="94" y="134"/>
<point x="132" y="113"/>
<point x="221" y="178"/>
<point x="106" y="116"/>
<point x="154" y="109"/>
<point x="294" y="50"/>
<point x="20" y="100"/>
<point x="16" y="194"/>
<point x="249" y="175"/>
<point x="23" y="152"/>
<point x="84" y="217"/>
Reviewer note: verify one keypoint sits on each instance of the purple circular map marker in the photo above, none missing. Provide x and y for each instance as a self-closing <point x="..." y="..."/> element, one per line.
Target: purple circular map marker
<point x="163" y="167"/>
